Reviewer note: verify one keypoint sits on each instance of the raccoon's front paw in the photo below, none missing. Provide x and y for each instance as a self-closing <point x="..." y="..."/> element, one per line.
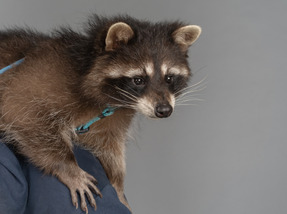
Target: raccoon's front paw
<point x="85" y="185"/>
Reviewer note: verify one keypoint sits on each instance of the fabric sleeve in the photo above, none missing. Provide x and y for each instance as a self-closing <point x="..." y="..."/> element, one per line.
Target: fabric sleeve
<point x="48" y="195"/>
<point x="13" y="184"/>
<point x="24" y="189"/>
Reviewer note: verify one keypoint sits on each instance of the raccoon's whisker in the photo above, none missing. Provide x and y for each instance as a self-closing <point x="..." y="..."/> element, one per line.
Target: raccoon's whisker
<point x="201" y="81"/>
<point x="135" y="92"/>
<point x="192" y="86"/>
<point x="128" y="96"/>
<point x="189" y="93"/>
<point x="187" y="96"/>
<point x="186" y="104"/>
<point x="124" y="103"/>
<point x="192" y="91"/>
<point x="192" y="94"/>
<point x="198" y="70"/>
<point x="189" y="100"/>
<point x="126" y="92"/>
<point x="114" y="98"/>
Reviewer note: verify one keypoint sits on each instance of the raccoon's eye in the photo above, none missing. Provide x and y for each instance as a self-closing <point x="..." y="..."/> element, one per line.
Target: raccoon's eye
<point x="139" y="81"/>
<point x="169" y="79"/>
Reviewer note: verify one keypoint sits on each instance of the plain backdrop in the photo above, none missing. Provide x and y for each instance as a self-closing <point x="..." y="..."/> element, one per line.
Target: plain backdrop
<point x="226" y="154"/>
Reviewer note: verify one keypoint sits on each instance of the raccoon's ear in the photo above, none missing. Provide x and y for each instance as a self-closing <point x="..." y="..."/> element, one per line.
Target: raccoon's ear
<point x="117" y="34"/>
<point x="186" y="36"/>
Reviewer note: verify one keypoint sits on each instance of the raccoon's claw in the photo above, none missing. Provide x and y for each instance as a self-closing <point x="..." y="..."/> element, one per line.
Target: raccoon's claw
<point x="83" y="185"/>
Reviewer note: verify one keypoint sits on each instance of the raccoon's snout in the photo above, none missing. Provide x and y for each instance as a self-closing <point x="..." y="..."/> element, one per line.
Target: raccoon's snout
<point x="163" y="110"/>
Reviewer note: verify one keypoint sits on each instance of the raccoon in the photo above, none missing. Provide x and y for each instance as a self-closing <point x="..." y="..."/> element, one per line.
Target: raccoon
<point x="68" y="77"/>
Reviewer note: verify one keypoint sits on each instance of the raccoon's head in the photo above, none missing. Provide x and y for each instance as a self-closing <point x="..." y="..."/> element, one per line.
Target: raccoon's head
<point x="144" y="66"/>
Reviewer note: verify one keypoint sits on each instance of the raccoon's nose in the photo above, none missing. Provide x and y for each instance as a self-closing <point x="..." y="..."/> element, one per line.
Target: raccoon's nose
<point x="163" y="110"/>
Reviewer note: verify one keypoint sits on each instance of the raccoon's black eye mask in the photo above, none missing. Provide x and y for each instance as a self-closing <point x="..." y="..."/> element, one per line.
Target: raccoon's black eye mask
<point x="136" y="86"/>
<point x="175" y="83"/>
<point x="127" y="87"/>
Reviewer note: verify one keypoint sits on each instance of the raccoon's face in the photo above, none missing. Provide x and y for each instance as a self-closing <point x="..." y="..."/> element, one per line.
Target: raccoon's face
<point x="146" y="69"/>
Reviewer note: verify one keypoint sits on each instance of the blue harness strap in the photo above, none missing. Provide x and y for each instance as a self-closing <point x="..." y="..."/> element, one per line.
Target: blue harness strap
<point x="105" y="113"/>
<point x="82" y="128"/>
<point x="12" y="66"/>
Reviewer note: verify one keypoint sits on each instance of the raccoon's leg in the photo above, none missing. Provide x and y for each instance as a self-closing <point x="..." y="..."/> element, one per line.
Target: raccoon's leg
<point x="115" y="168"/>
<point x="53" y="154"/>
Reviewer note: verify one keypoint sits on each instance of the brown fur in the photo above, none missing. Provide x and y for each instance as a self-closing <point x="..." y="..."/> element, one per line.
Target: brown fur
<point x="63" y="83"/>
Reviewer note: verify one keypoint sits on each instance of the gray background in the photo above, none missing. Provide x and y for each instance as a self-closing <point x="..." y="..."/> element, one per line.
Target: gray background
<point x="226" y="154"/>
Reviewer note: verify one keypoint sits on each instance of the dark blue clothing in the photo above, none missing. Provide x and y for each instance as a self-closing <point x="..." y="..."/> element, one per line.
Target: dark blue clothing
<point x="24" y="189"/>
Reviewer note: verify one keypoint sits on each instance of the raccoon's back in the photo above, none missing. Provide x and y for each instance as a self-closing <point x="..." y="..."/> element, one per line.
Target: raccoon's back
<point x="15" y="43"/>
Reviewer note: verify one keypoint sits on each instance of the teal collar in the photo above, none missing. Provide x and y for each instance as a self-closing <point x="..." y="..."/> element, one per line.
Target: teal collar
<point x="82" y="128"/>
